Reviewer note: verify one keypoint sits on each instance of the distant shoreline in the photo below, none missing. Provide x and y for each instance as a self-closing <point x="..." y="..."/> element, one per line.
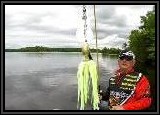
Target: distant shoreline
<point x="105" y="51"/>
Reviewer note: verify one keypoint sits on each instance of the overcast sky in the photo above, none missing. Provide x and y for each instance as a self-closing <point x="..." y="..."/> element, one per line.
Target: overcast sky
<point x="62" y="25"/>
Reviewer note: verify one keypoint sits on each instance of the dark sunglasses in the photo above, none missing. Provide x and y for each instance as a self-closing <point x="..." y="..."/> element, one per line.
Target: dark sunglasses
<point x="127" y="58"/>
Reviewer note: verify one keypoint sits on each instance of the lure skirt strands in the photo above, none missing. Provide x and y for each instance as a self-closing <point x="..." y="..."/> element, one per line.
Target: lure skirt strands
<point x="87" y="85"/>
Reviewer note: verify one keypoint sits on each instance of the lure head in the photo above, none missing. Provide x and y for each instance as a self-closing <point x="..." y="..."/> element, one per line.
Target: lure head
<point x="85" y="50"/>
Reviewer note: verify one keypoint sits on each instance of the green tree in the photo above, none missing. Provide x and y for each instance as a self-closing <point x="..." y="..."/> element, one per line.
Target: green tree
<point x="124" y="45"/>
<point x="142" y="40"/>
<point x="148" y="27"/>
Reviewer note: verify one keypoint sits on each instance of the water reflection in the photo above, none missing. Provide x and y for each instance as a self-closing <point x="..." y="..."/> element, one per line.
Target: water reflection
<point x="46" y="81"/>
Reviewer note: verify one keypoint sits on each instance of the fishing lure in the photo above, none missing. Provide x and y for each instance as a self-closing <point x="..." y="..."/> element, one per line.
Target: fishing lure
<point x="87" y="85"/>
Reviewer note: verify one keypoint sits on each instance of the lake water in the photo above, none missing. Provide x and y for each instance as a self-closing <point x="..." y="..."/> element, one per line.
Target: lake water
<point x="47" y="81"/>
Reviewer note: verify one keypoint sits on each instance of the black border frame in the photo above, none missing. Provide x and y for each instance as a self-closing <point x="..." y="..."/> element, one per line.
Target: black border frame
<point x="3" y="3"/>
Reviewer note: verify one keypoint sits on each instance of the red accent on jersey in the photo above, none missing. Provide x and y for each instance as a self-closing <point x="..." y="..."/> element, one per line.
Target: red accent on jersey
<point x="141" y="98"/>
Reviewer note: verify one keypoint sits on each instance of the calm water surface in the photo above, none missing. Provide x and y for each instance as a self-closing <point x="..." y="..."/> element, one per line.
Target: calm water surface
<point x="47" y="81"/>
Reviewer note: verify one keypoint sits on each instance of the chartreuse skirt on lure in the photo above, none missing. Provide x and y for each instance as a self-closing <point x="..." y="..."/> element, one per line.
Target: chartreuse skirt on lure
<point x="87" y="85"/>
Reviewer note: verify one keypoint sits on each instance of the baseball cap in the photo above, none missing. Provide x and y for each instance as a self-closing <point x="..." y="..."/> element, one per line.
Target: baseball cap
<point x="127" y="54"/>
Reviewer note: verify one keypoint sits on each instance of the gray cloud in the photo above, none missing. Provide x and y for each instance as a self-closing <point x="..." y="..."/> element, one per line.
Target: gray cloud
<point x="106" y="15"/>
<point x="23" y="27"/>
<point x="121" y="32"/>
<point x="52" y="30"/>
<point x="32" y="23"/>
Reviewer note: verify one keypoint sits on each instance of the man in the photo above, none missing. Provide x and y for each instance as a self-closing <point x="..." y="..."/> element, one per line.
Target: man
<point x="128" y="90"/>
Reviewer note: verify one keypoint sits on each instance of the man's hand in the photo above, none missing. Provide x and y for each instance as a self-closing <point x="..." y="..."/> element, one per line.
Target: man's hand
<point x="100" y="94"/>
<point x="118" y="107"/>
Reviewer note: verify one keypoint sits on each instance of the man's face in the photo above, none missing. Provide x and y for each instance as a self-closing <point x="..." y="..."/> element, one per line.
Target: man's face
<point x="126" y="63"/>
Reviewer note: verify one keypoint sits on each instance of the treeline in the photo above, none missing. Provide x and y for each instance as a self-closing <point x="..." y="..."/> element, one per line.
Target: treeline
<point x="110" y="51"/>
<point x="43" y="49"/>
<point x="142" y="41"/>
<point x="105" y="51"/>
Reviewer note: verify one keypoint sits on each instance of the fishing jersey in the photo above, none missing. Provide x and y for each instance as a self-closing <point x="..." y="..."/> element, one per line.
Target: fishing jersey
<point x="132" y="91"/>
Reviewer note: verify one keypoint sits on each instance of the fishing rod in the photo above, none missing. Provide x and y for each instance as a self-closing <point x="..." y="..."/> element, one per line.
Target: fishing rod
<point x="96" y="43"/>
